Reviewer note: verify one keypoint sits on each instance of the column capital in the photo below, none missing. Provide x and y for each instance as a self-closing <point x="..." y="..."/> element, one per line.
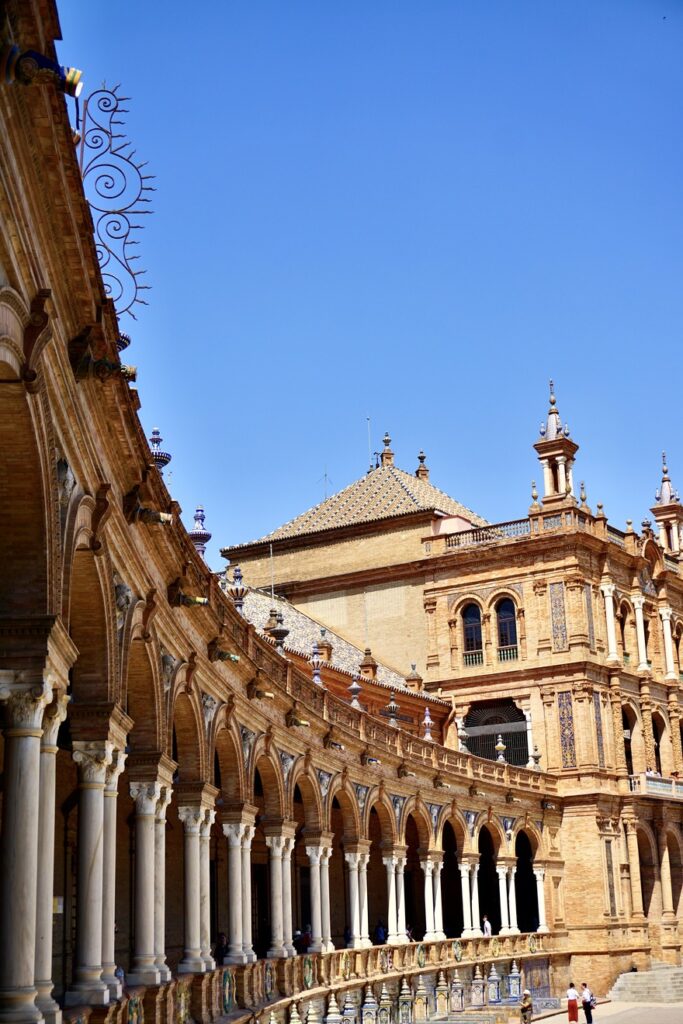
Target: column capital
<point x="93" y="757"/>
<point x="25" y="702"/>
<point x="146" y="797"/>
<point x="351" y="857"/>
<point x="165" y="797"/>
<point x="539" y="873"/>
<point x="247" y="838"/>
<point x="207" y="821"/>
<point x="608" y="589"/>
<point x="191" y="817"/>
<point x="54" y="715"/>
<point x="389" y="861"/>
<point x="638" y="601"/>
<point x="427" y="865"/>
<point x="234" y="832"/>
<point x="665" y="613"/>
<point x="314" y="853"/>
<point x="276" y="846"/>
<point x="114" y="770"/>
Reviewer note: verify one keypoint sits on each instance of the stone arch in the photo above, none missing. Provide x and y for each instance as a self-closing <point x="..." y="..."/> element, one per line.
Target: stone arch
<point x="143" y="694"/>
<point x="26" y="542"/>
<point x="674" y="847"/>
<point x="462" y="602"/>
<point x="626" y="629"/>
<point x="415" y="809"/>
<point x="649" y="867"/>
<point x="532" y="834"/>
<point x="663" y="748"/>
<point x="633" y="739"/>
<point x="653" y="554"/>
<point x="526" y="849"/>
<point x="225" y="747"/>
<point x="342" y="792"/>
<point x="270" y="774"/>
<point x="495" y="830"/>
<point x="457" y="822"/>
<point x="188" y="747"/>
<point x="303" y="777"/>
<point x="380" y="802"/>
<point x="92" y="624"/>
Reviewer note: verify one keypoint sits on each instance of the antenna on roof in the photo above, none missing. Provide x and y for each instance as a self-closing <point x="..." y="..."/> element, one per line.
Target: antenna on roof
<point x="272" y="574"/>
<point x="369" y="445"/>
<point x="327" y="479"/>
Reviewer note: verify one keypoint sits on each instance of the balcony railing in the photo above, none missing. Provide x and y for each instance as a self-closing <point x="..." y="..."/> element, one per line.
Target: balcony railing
<point x="487" y="534"/>
<point x="616" y="536"/>
<point x="653" y="785"/>
<point x="473" y="658"/>
<point x="508" y="653"/>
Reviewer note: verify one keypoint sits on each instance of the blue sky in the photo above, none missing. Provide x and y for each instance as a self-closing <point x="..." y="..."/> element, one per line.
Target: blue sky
<point x="414" y="211"/>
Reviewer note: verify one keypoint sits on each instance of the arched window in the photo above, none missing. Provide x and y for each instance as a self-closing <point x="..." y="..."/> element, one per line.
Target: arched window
<point x="471" y="624"/>
<point x="507" y="630"/>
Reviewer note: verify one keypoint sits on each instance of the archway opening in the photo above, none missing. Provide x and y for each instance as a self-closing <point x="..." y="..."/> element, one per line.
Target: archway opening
<point x="487" y="881"/>
<point x="487" y="719"/>
<point x="414" y="882"/>
<point x="451" y="888"/>
<point x="648" y="872"/>
<point x="379" y="834"/>
<point x="627" y="727"/>
<point x="526" y="892"/>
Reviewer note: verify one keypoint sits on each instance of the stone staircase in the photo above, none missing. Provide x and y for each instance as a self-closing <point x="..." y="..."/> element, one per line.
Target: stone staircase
<point x="662" y="984"/>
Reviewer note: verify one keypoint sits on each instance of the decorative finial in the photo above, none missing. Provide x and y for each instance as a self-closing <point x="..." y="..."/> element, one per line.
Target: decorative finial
<point x="553" y="400"/>
<point x="542" y="429"/>
<point x="582" y="493"/>
<point x="386" y="440"/>
<point x="199" y="535"/>
<point x="665" y="471"/>
<point x="534" y="492"/>
<point x="354" y="690"/>
<point x="392" y="708"/>
<point x="160" y="459"/>
<point x="421" y="456"/>
<point x="237" y="590"/>
<point x="316" y="662"/>
<point x="422" y="472"/>
<point x="427" y="723"/>
<point x="123" y="341"/>
<point x="501" y="748"/>
<point x="279" y="632"/>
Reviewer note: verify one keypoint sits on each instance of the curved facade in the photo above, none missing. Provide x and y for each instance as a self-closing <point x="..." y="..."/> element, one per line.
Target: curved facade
<point x="170" y="773"/>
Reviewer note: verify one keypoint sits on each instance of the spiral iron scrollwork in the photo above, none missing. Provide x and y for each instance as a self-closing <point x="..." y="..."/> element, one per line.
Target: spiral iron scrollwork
<point x="115" y="188"/>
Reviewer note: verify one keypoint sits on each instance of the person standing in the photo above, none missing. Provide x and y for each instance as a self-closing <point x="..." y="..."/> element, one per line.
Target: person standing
<point x="587" y="1001"/>
<point x="526" y="1007"/>
<point x="486" y="927"/>
<point x="572" y="1003"/>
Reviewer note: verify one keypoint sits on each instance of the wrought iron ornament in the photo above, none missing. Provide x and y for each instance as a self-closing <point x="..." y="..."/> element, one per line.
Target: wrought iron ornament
<point x="115" y="188"/>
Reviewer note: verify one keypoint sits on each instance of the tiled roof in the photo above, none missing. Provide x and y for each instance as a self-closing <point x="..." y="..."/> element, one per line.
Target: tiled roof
<point x="382" y="493"/>
<point x="305" y="631"/>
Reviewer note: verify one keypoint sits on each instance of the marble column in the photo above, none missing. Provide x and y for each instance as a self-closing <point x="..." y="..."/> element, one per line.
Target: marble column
<point x="363" y="899"/>
<point x="247" y="947"/>
<point x="111" y="792"/>
<point x="144" y="970"/>
<point x="634" y="869"/>
<point x="160" y="884"/>
<point x="539" y="874"/>
<point x="512" y="900"/>
<point x="402" y="936"/>
<point x="192" y="963"/>
<point x="503" y="898"/>
<point x="608" y="591"/>
<point x="287" y="927"/>
<point x="392" y="916"/>
<point x="326" y="853"/>
<point x="665" y="615"/>
<point x="476" y="923"/>
<point x="275" y="844"/>
<point x="234" y="833"/>
<point x="428" y="869"/>
<point x="54" y="715"/>
<point x="19" y="847"/>
<point x="466" y="900"/>
<point x="638" y="602"/>
<point x="351" y="859"/>
<point x="439" y="933"/>
<point x="314" y="854"/>
<point x="93" y="759"/>
<point x="205" y="887"/>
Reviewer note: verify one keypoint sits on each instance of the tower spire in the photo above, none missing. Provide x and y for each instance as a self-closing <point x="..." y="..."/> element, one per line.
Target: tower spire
<point x="668" y="513"/>
<point x="556" y="453"/>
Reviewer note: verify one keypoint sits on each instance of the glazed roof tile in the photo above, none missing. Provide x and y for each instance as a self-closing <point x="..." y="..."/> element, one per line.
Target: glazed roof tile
<point x="305" y="631"/>
<point x="383" y="493"/>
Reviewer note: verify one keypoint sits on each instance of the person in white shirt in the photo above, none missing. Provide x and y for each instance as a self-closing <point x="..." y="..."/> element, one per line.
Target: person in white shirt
<point x="486" y="925"/>
<point x="587" y="1001"/>
<point x="572" y="1004"/>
